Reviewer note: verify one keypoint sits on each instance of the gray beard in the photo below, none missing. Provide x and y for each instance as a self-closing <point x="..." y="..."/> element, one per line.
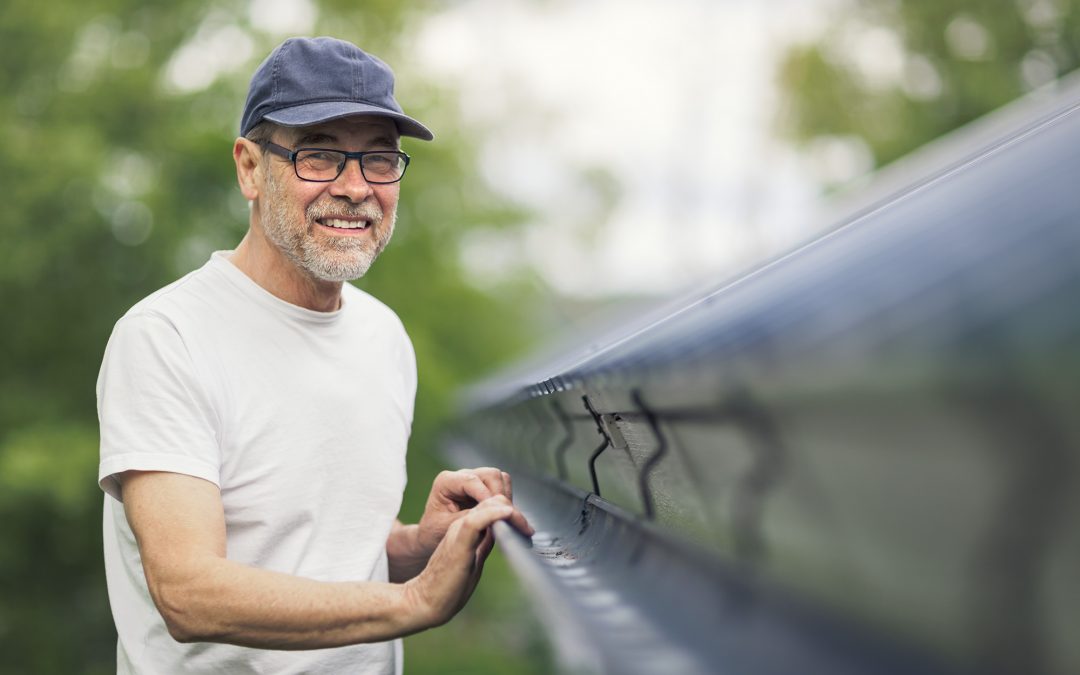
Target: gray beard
<point x="326" y="258"/>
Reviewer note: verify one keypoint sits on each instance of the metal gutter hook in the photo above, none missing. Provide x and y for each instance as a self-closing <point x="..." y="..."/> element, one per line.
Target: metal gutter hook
<point x="603" y="446"/>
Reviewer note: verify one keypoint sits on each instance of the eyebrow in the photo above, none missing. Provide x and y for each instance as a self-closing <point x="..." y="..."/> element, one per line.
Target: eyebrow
<point x="319" y="137"/>
<point x="316" y="138"/>
<point x="386" y="141"/>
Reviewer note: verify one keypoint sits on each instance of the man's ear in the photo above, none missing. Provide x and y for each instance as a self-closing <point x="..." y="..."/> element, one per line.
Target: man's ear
<point x="248" y="156"/>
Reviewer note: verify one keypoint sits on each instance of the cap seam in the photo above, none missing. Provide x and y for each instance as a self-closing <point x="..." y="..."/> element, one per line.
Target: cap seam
<point x="336" y="99"/>
<point x="274" y="78"/>
<point x="357" y="75"/>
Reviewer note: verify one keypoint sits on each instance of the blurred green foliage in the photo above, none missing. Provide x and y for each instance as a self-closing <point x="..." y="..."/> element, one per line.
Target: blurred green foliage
<point x="117" y="180"/>
<point x="898" y="74"/>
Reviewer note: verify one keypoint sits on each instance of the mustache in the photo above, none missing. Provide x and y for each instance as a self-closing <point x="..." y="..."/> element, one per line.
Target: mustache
<point x="369" y="211"/>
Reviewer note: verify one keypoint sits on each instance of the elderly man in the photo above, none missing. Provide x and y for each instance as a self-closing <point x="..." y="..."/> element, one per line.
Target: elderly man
<point x="254" y="414"/>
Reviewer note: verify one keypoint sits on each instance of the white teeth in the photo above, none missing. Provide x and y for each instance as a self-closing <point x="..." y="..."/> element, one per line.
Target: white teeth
<point x="345" y="224"/>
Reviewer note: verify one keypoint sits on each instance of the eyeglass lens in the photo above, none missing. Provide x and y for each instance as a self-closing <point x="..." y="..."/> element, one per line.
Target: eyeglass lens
<point x="323" y="165"/>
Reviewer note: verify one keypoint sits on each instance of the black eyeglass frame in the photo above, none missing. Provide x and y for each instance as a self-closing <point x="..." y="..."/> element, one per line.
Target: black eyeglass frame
<point x="291" y="155"/>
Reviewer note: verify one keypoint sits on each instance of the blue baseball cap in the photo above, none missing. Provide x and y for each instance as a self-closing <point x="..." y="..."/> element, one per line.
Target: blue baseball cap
<point x="307" y="81"/>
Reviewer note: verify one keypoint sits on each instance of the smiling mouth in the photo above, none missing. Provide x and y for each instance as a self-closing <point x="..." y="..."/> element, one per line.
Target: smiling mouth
<point x="342" y="224"/>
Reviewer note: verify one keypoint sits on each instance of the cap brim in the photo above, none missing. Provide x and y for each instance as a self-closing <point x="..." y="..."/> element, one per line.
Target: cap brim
<point x="325" y="111"/>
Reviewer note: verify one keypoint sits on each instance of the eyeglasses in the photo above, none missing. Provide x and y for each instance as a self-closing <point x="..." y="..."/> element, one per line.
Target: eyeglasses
<point x="323" y="165"/>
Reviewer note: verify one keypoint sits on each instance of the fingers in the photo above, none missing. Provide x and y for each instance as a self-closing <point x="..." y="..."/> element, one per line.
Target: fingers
<point x="507" y="485"/>
<point x="493" y="479"/>
<point x="477" y="485"/>
<point x="469" y="536"/>
<point x="485" y="547"/>
<point x="462" y="486"/>
<point x="455" y="566"/>
<point x="482" y="552"/>
<point x="521" y="524"/>
<point x="487" y="513"/>
<point x="467" y="487"/>
<point x="499" y="482"/>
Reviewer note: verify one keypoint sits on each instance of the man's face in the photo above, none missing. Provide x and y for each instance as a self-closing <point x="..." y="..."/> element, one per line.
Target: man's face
<point x="330" y="231"/>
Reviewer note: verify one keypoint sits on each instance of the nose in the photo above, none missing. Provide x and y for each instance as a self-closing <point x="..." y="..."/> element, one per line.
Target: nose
<point x="351" y="184"/>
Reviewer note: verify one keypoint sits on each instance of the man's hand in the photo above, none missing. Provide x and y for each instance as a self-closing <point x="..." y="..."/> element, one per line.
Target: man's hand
<point x="453" y="495"/>
<point x="455" y="492"/>
<point x="453" y="571"/>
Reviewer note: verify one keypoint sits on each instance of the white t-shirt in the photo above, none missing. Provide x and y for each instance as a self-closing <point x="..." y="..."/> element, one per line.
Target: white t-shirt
<point x="301" y="418"/>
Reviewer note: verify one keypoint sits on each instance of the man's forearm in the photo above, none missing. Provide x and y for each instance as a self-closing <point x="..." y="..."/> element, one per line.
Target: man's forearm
<point x="405" y="555"/>
<point x="219" y="600"/>
<point x="179" y="524"/>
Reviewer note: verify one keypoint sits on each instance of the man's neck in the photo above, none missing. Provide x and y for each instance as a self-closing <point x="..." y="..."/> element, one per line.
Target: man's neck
<point x="267" y="266"/>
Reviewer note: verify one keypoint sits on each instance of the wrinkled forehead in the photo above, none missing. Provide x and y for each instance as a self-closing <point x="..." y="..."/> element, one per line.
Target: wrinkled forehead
<point x="361" y="130"/>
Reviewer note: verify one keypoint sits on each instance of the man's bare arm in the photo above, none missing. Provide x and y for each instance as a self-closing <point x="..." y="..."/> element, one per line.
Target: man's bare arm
<point x="405" y="556"/>
<point x="179" y="525"/>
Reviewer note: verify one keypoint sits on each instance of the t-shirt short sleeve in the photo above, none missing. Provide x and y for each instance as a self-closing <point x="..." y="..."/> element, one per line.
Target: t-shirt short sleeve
<point x="154" y="413"/>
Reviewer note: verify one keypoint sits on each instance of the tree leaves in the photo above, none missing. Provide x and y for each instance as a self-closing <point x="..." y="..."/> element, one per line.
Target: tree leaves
<point x="117" y="181"/>
<point x="957" y="61"/>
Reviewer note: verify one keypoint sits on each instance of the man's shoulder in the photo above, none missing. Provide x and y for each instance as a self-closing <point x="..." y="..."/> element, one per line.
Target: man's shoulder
<point x="370" y="307"/>
<point x="176" y="301"/>
<point x="166" y="296"/>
